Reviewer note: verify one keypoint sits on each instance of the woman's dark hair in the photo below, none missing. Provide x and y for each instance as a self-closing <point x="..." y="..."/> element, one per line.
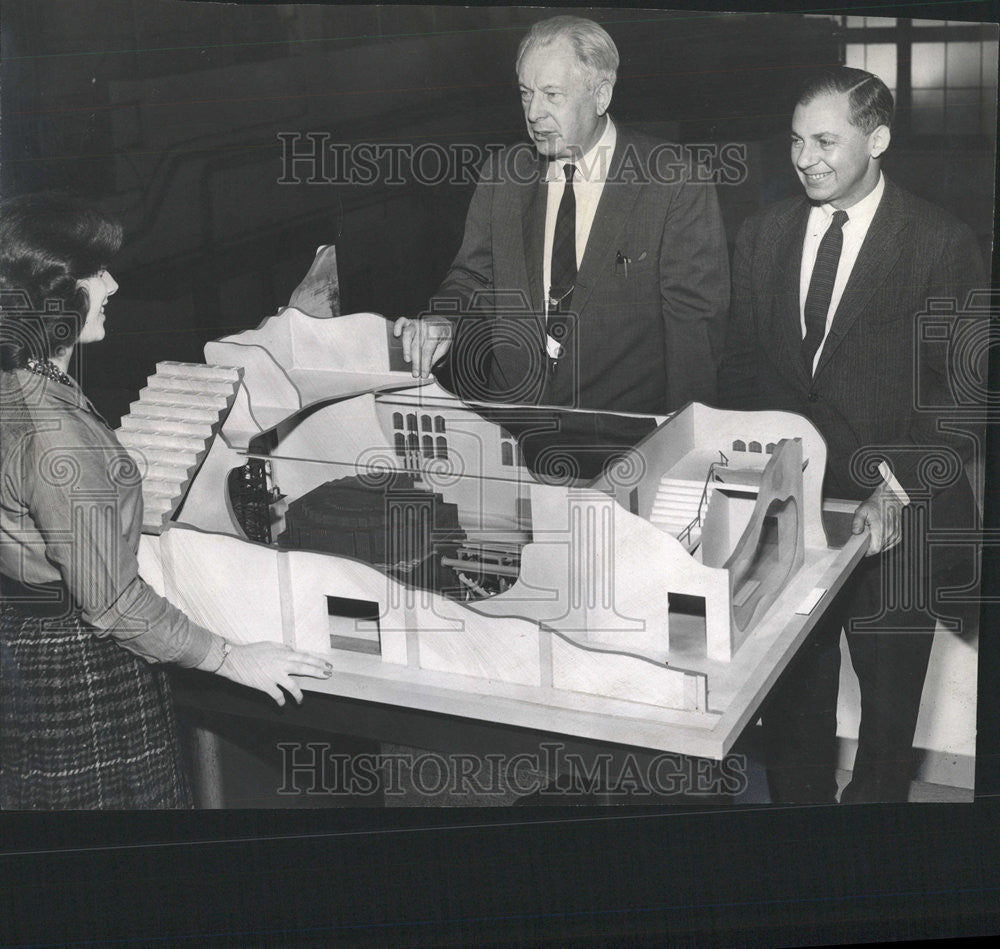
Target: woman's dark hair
<point x="48" y="242"/>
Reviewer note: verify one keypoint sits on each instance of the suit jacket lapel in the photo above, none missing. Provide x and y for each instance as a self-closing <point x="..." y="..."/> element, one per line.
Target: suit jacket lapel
<point x="876" y="258"/>
<point x="785" y="317"/>
<point x="613" y="211"/>
<point x="533" y="235"/>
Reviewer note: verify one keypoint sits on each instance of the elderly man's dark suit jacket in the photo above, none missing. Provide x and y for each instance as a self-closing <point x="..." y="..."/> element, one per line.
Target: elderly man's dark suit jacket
<point x="648" y="333"/>
<point x="863" y="396"/>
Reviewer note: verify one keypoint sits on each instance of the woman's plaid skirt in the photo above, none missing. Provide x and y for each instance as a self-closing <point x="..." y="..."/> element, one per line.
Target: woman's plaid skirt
<point x="83" y="722"/>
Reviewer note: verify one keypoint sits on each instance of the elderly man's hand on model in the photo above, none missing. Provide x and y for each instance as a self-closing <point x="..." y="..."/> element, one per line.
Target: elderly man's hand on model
<point x="425" y="342"/>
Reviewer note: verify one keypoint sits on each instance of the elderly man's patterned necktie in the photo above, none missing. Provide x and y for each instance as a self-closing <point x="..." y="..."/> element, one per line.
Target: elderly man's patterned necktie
<point x="563" y="262"/>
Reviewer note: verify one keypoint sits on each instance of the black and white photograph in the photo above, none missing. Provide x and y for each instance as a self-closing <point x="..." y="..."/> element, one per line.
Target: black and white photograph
<point x="435" y="415"/>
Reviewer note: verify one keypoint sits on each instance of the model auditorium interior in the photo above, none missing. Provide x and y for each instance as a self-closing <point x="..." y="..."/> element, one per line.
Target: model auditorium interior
<point x="298" y="489"/>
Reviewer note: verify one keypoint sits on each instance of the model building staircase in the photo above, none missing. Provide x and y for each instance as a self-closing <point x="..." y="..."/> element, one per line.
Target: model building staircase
<point x="170" y="429"/>
<point x="675" y="508"/>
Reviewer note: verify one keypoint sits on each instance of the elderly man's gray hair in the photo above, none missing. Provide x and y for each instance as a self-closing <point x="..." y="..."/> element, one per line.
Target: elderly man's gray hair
<point x="595" y="50"/>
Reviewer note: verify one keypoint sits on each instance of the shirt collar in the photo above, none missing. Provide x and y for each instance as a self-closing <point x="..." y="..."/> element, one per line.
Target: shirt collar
<point x="860" y="214"/>
<point x="593" y="165"/>
<point x="37" y="391"/>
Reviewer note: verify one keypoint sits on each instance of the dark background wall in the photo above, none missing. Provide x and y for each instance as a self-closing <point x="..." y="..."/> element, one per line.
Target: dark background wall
<point x="168" y="114"/>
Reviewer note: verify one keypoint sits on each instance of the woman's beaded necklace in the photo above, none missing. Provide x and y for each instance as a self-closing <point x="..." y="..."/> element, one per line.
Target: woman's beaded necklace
<point x="47" y="369"/>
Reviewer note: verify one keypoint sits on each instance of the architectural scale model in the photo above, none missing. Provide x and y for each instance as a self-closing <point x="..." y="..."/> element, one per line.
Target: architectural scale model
<point x="298" y="489"/>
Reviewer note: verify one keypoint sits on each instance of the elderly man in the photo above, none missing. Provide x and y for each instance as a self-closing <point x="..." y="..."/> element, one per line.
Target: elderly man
<point x="596" y="278"/>
<point x="827" y="288"/>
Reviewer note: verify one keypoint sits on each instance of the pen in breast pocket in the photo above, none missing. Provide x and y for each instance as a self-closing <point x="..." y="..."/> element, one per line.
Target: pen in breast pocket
<point x="621" y="263"/>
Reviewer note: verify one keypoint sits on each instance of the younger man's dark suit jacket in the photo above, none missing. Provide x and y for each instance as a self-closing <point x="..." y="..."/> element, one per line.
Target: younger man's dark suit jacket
<point x="879" y="389"/>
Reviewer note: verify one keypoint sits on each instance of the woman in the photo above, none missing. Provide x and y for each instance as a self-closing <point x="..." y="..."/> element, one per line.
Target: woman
<point x="86" y="718"/>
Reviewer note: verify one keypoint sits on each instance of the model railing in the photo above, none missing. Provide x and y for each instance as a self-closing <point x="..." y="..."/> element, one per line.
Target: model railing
<point x="685" y="535"/>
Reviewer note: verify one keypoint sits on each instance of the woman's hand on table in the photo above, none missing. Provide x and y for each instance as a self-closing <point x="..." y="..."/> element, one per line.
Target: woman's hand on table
<point x="270" y="667"/>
